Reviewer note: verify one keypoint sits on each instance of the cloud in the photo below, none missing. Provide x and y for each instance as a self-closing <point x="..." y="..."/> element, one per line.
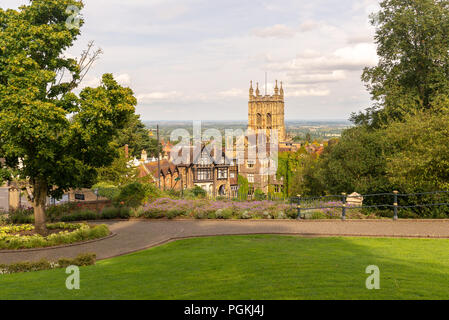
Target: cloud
<point x="311" y="92"/>
<point x="92" y="81"/>
<point x="123" y="79"/>
<point x="276" y="31"/>
<point x="364" y="38"/>
<point x="152" y="97"/>
<point x="284" y="31"/>
<point x="346" y="58"/>
<point x="232" y="93"/>
<point x="336" y="75"/>
<point x="309" y="25"/>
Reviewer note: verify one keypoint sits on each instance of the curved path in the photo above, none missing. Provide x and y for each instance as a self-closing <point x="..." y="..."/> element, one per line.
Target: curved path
<point x="136" y="235"/>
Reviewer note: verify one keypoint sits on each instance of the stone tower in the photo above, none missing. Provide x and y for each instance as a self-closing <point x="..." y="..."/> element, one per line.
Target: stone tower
<point x="267" y="112"/>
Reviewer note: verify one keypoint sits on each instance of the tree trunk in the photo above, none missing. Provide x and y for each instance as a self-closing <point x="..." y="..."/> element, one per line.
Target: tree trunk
<point x="39" y="202"/>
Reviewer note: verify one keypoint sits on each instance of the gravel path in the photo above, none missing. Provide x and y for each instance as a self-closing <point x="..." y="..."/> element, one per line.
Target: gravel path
<point x="136" y="235"/>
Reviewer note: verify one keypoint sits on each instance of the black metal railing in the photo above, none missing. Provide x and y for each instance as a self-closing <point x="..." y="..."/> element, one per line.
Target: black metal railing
<point x="396" y="201"/>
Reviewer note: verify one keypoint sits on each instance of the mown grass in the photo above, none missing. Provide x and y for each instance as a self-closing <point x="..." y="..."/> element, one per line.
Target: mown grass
<point x="254" y="267"/>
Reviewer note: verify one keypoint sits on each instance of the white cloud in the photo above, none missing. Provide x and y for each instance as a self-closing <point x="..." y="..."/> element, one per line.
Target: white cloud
<point x="123" y="79"/>
<point x="336" y="75"/>
<point x="364" y="38"/>
<point x="276" y="31"/>
<point x="148" y="98"/>
<point x="309" y="25"/>
<point x="346" y="58"/>
<point x="232" y="93"/>
<point x="92" y="81"/>
<point x="308" y="93"/>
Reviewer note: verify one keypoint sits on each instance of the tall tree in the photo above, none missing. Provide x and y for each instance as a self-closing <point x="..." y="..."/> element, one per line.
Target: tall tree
<point x="137" y="137"/>
<point x="53" y="138"/>
<point x="412" y="38"/>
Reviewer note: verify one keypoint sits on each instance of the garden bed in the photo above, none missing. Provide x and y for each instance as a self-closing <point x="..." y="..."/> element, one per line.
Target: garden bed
<point x="209" y="209"/>
<point x="167" y="208"/>
<point x="14" y="237"/>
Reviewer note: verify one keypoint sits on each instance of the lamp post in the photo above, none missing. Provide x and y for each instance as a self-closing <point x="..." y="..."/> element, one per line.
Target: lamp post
<point x="158" y="156"/>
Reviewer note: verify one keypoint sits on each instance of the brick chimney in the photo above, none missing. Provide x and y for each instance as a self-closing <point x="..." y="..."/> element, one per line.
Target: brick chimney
<point x="126" y="151"/>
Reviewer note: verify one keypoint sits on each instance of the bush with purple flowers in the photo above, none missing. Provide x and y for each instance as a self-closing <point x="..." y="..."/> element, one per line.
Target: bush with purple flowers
<point x="223" y="209"/>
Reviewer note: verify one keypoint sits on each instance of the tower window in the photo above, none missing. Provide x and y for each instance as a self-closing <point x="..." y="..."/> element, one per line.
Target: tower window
<point x="259" y="121"/>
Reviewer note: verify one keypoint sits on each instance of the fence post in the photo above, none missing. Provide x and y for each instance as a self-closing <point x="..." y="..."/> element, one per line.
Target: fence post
<point x="343" y="208"/>
<point x="395" y="205"/>
<point x="299" y="206"/>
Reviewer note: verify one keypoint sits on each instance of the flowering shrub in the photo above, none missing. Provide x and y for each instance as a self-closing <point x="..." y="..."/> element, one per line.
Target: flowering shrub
<point x="9" y="239"/>
<point x="208" y="209"/>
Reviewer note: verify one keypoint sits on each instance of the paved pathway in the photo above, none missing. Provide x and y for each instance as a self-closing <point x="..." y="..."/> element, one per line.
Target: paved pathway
<point x="137" y="235"/>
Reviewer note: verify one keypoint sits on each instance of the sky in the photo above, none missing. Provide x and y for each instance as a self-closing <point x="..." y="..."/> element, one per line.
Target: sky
<point x="194" y="59"/>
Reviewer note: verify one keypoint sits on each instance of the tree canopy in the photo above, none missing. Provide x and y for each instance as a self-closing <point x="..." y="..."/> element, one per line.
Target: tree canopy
<point x="52" y="137"/>
<point x="137" y="137"/>
<point x="412" y="75"/>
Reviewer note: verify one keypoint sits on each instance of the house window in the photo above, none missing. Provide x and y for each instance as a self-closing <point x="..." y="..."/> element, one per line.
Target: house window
<point x="251" y="178"/>
<point x="205" y="160"/>
<point x="232" y="174"/>
<point x="251" y="190"/>
<point x="251" y="163"/>
<point x="277" y="188"/>
<point x="203" y="175"/>
<point x="222" y="173"/>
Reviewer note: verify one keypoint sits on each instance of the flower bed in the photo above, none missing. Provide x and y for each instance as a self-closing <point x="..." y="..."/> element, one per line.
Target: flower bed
<point x="12" y="237"/>
<point x="208" y="209"/>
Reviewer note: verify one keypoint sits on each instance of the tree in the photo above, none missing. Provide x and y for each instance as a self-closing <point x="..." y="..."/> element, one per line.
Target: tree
<point x="243" y="188"/>
<point x="137" y="137"/>
<point x="419" y="157"/>
<point x="53" y="138"/>
<point x="120" y="172"/>
<point x="412" y="75"/>
<point x="356" y="163"/>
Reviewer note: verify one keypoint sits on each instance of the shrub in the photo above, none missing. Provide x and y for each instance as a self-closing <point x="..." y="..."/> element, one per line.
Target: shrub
<point x="196" y="192"/>
<point x="20" y="216"/>
<point x="133" y="195"/>
<point x="153" y="215"/>
<point x="259" y="195"/>
<point x="56" y="212"/>
<point x="81" y="260"/>
<point x="83" y="215"/>
<point x="110" y="213"/>
<point x="107" y="190"/>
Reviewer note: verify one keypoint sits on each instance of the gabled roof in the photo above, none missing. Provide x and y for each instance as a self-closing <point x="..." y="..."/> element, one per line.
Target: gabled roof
<point x="167" y="167"/>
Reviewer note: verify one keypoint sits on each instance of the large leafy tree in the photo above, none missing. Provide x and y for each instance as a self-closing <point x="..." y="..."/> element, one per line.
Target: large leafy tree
<point x="356" y="163"/>
<point x="137" y="137"/>
<point x="419" y="157"/>
<point x="412" y="38"/>
<point x="51" y="137"/>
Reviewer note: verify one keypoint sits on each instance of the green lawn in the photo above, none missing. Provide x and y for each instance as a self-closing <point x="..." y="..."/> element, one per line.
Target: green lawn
<point x="254" y="267"/>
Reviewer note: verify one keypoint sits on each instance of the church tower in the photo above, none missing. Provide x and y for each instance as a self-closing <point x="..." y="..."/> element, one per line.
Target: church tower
<point x="267" y="112"/>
